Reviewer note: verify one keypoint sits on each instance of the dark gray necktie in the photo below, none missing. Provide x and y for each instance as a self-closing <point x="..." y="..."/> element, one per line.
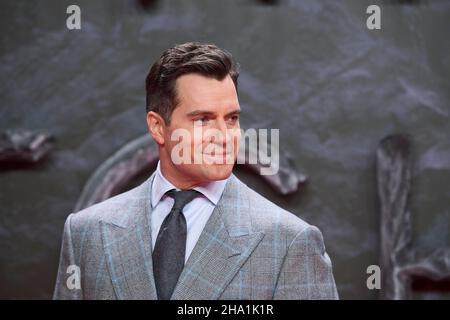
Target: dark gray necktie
<point x="170" y="247"/>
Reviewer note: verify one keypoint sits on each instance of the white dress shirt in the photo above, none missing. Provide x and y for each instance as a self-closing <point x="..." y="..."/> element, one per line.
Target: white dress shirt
<point x="196" y="212"/>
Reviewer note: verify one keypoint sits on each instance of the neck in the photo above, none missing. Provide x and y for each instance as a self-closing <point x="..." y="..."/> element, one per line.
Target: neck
<point x="177" y="178"/>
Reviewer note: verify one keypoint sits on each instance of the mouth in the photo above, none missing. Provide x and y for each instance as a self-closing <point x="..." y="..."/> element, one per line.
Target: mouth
<point x="218" y="154"/>
<point x="218" y="158"/>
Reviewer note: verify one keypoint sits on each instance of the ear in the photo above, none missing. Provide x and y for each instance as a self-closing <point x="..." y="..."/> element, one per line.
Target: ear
<point x="156" y="126"/>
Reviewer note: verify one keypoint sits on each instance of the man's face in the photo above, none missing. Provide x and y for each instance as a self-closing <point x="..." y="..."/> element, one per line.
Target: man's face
<point x="202" y="138"/>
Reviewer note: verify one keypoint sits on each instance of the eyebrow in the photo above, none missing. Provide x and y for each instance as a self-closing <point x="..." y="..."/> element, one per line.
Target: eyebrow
<point x="209" y="113"/>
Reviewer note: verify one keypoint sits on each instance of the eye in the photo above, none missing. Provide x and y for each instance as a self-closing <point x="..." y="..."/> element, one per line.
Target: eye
<point x="233" y="119"/>
<point x="201" y="121"/>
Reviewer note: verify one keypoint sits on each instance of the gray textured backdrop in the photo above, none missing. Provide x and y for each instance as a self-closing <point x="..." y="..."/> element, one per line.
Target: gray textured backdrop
<point x="310" y="68"/>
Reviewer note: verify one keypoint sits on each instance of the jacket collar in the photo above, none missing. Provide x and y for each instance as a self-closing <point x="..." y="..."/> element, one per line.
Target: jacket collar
<point x="225" y="243"/>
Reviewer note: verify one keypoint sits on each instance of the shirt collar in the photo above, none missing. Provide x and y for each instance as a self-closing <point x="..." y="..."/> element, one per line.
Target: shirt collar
<point x="212" y="190"/>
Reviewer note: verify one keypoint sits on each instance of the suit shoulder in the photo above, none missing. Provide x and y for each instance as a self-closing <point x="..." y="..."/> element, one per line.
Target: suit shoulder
<point x="269" y="217"/>
<point x="277" y="223"/>
<point x="114" y="209"/>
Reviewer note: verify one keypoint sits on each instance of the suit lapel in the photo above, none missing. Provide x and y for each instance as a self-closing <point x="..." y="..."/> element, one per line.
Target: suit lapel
<point x="127" y="244"/>
<point x="224" y="245"/>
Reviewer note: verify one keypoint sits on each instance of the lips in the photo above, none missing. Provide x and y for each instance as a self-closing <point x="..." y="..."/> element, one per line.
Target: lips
<point x="217" y="155"/>
<point x="221" y="158"/>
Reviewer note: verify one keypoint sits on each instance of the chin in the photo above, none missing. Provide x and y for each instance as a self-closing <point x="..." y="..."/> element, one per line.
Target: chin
<point x="217" y="171"/>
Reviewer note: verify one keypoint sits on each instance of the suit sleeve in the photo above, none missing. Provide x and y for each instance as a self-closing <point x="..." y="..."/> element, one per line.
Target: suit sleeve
<point x="306" y="272"/>
<point x="68" y="280"/>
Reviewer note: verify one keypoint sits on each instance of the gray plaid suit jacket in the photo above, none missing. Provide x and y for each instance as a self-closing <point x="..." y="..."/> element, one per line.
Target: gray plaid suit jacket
<point x="249" y="249"/>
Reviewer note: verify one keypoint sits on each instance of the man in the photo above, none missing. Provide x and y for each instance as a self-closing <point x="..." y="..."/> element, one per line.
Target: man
<point x="192" y="230"/>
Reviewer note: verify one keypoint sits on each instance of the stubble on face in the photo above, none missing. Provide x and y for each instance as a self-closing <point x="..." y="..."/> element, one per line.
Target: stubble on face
<point x="206" y="105"/>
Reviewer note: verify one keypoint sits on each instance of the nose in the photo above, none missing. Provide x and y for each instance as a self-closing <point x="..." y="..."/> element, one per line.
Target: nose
<point x="222" y="135"/>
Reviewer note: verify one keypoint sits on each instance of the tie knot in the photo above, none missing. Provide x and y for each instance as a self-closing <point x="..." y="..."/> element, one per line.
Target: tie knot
<point x="182" y="197"/>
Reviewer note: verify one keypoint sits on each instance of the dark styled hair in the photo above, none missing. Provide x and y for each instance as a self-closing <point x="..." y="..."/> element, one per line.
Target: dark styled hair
<point x="191" y="57"/>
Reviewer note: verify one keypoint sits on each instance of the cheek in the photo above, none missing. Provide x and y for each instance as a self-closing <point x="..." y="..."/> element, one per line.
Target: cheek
<point x="197" y="142"/>
<point x="174" y="137"/>
<point x="236" y="139"/>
